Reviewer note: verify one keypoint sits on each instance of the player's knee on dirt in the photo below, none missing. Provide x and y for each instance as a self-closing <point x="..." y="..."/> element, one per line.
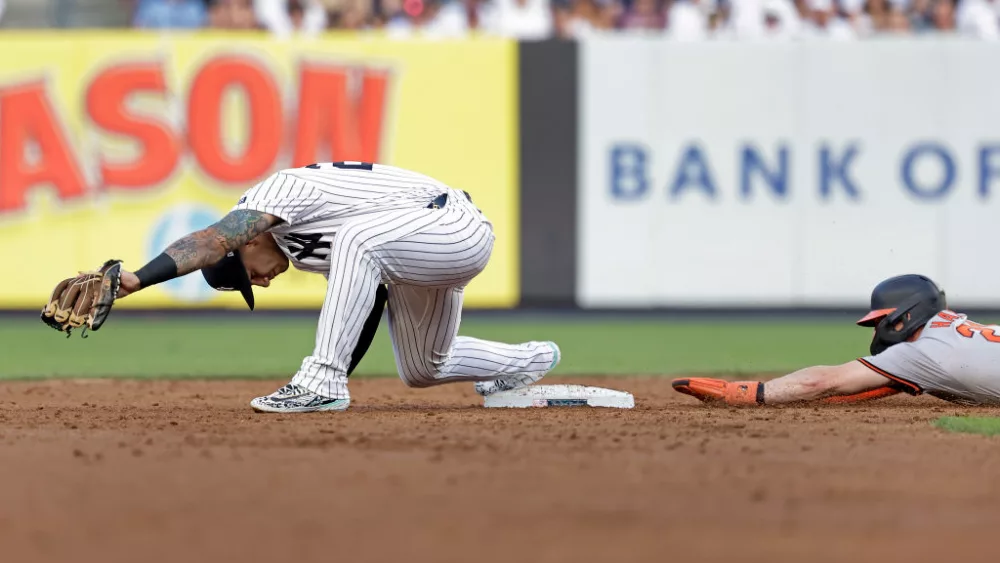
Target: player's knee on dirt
<point x="421" y="371"/>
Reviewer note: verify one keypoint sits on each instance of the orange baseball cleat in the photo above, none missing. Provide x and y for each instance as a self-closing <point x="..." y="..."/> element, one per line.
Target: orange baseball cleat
<point x="734" y="393"/>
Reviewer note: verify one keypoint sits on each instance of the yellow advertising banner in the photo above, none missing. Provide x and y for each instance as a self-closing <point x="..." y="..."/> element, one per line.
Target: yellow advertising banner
<point x="112" y="145"/>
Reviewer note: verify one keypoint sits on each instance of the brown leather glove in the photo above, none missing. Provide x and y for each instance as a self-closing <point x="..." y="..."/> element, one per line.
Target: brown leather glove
<point x="84" y="301"/>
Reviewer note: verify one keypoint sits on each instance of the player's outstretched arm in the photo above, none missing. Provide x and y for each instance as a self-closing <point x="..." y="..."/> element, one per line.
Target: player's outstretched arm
<point x="199" y="249"/>
<point x="847" y="383"/>
<point x="852" y="379"/>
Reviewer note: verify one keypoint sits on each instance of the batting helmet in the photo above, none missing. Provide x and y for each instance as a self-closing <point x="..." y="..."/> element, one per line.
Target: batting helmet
<point x="901" y="306"/>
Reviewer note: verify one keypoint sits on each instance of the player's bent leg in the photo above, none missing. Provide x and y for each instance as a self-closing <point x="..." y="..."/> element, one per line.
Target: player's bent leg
<point x="523" y="376"/>
<point x="494" y="366"/>
<point x="321" y="382"/>
<point x="423" y="323"/>
<point x="429" y="268"/>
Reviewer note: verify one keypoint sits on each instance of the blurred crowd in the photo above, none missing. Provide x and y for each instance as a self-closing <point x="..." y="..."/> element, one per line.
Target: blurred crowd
<point x="542" y="19"/>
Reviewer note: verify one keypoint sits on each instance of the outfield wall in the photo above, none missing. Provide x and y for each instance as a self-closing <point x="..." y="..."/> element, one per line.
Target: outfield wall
<point x="115" y="144"/>
<point x="785" y="175"/>
<point x="619" y="172"/>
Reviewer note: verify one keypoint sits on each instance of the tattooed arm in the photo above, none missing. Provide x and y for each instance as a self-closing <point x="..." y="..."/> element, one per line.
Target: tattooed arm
<point x="200" y="249"/>
<point x="209" y="245"/>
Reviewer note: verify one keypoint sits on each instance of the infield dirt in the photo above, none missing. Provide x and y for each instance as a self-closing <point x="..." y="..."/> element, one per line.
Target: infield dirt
<point x="183" y="471"/>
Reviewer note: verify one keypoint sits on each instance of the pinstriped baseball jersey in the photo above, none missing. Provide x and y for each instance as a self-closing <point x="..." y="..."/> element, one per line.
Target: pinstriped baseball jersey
<point x="317" y="200"/>
<point x="363" y="224"/>
<point x="954" y="358"/>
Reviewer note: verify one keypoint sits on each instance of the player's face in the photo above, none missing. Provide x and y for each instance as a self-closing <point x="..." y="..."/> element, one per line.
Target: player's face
<point x="263" y="260"/>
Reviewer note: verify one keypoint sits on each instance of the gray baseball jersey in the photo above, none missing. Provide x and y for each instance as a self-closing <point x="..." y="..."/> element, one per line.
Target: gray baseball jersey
<point x="953" y="358"/>
<point x="362" y="224"/>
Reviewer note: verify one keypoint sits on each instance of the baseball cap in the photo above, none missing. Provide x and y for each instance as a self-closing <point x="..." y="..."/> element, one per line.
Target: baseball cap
<point x="229" y="274"/>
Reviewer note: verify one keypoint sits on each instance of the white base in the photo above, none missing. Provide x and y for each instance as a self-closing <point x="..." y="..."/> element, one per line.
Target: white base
<point x="560" y="396"/>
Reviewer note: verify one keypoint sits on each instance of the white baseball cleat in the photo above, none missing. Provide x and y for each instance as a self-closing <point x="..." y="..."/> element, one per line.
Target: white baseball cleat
<point x="517" y="380"/>
<point x="295" y="398"/>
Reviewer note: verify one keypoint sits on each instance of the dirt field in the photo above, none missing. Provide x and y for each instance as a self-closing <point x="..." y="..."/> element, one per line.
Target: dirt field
<point x="129" y="471"/>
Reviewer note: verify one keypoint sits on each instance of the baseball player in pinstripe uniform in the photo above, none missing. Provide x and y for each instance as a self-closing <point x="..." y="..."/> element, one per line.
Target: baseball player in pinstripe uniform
<point x="378" y="233"/>
<point x="918" y="346"/>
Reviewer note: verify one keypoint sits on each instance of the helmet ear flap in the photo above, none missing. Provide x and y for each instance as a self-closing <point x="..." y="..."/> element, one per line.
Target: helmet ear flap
<point x="883" y="337"/>
<point x="886" y="334"/>
<point x="911" y="315"/>
<point x="900" y="314"/>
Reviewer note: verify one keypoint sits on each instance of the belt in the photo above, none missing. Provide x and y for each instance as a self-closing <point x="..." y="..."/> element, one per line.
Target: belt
<point x="442" y="200"/>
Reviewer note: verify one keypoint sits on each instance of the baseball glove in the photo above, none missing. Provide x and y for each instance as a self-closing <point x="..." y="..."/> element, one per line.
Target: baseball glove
<point x="84" y="301"/>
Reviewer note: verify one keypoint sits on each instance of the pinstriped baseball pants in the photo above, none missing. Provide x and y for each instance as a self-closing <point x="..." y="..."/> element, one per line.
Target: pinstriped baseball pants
<point x="427" y="256"/>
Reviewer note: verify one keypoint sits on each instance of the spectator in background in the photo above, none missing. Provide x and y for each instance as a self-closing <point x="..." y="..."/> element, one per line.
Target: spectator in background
<point x="296" y="15"/>
<point x="853" y="12"/>
<point x="348" y="14"/>
<point x="170" y="14"/>
<point x="458" y="18"/>
<point x="689" y="20"/>
<point x="978" y="18"/>
<point x="943" y="15"/>
<point x="231" y="14"/>
<point x="746" y="19"/>
<point x="763" y="19"/>
<point x="580" y="18"/>
<point x="522" y="19"/>
<point x="647" y="15"/>
<point x="897" y="20"/>
<point x="875" y="10"/>
<point x="823" y="21"/>
<point x="276" y="16"/>
<point x="420" y="17"/>
<point x="917" y="13"/>
<point x="718" y="15"/>
<point x="481" y="16"/>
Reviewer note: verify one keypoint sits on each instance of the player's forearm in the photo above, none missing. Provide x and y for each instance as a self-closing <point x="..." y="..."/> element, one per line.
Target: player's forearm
<point x="804" y="385"/>
<point x="852" y="379"/>
<point x="187" y="254"/>
<point x="208" y="246"/>
<point x="198" y="249"/>
<point x="205" y="247"/>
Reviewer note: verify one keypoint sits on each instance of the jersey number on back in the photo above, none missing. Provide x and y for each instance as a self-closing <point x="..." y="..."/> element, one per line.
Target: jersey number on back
<point x="968" y="329"/>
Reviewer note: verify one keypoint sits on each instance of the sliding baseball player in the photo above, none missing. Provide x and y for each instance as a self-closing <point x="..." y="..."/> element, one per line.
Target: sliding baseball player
<point x="918" y="347"/>
<point x="378" y="234"/>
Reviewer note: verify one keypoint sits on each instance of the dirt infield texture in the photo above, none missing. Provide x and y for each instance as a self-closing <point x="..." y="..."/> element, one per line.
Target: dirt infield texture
<point x="183" y="471"/>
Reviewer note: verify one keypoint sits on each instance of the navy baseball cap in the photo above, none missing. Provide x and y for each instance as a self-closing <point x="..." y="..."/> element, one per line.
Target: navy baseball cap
<point x="229" y="274"/>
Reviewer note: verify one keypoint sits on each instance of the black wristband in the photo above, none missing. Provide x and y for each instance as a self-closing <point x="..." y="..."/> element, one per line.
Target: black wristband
<point x="160" y="269"/>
